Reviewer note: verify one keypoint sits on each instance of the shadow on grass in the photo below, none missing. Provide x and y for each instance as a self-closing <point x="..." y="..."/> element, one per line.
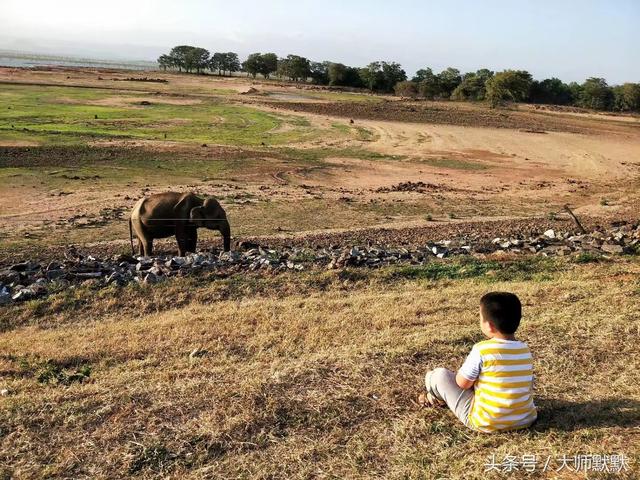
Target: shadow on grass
<point x="571" y="416"/>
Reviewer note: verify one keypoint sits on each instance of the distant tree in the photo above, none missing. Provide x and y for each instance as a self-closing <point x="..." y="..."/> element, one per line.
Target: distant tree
<point x="179" y="56"/>
<point x="551" y="91"/>
<point x="319" y="72"/>
<point x="508" y="85"/>
<point x="392" y="73"/>
<point x="165" y="61"/>
<point x="382" y="76"/>
<point x="473" y="86"/>
<point x="449" y="80"/>
<point x="198" y="58"/>
<point x="428" y="83"/>
<point x="352" y="78"/>
<point x="626" y="97"/>
<point x="216" y="62"/>
<point x="406" y="89"/>
<point x="422" y="75"/>
<point x="484" y="74"/>
<point x="224" y="62"/>
<point x="189" y="58"/>
<point x="336" y="73"/>
<point x="576" y="93"/>
<point x="596" y="94"/>
<point x="253" y="64"/>
<point x="294" y="67"/>
<point x="371" y="75"/>
<point x="268" y="64"/>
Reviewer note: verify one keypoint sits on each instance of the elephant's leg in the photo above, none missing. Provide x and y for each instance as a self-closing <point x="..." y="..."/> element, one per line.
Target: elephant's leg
<point x="147" y="246"/>
<point x="192" y="240"/>
<point x="182" y="245"/>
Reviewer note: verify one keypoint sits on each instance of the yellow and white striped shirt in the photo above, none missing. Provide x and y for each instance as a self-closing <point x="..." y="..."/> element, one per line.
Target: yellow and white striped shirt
<point x="503" y="397"/>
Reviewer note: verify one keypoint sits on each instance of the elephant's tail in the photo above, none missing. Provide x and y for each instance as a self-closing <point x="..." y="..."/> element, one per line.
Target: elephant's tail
<point x="133" y="252"/>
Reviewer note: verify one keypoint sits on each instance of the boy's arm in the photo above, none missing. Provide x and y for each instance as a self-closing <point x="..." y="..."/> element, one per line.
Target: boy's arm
<point x="470" y="370"/>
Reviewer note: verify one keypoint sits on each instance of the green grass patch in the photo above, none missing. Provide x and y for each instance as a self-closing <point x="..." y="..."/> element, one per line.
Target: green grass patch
<point x="62" y="115"/>
<point x="534" y="268"/>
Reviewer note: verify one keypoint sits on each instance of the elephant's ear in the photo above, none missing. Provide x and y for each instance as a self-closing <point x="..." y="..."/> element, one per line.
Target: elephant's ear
<point x="184" y="206"/>
<point x="197" y="216"/>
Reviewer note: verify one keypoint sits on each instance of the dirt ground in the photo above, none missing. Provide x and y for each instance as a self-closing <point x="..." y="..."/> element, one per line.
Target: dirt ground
<point x="479" y="164"/>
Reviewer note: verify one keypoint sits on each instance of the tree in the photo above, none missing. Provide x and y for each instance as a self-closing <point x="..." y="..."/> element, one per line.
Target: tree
<point x="406" y="89"/>
<point x="508" y="85"/>
<point x="392" y="73"/>
<point x="382" y="76"/>
<point x="473" y="86"/>
<point x="294" y="67"/>
<point x="197" y="58"/>
<point x="224" y="62"/>
<point x="336" y="73"/>
<point x="165" y="61"/>
<point x="319" y="72"/>
<point x="268" y="64"/>
<point x="596" y="94"/>
<point x="179" y="56"/>
<point x="552" y="91"/>
<point x="429" y="83"/>
<point x="576" y="92"/>
<point x="449" y="80"/>
<point x="422" y="75"/>
<point x="627" y="97"/>
<point x="371" y="75"/>
<point x="253" y="64"/>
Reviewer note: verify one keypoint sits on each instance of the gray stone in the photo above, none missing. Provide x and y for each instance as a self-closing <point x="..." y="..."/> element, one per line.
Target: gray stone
<point x="55" y="274"/>
<point x="612" y="248"/>
<point x="150" y="279"/>
<point x="550" y="234"/>
<point x="5" y="295"/>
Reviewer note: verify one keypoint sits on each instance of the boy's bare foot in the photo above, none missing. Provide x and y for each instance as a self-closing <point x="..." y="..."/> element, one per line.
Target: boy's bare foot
<point x="425" y="399"/>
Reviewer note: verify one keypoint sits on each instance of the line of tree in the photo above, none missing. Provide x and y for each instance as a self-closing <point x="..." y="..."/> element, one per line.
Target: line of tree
<point x="519" y="86"/>
<point x="189" y="59"/>
<point x="483" y="85"/>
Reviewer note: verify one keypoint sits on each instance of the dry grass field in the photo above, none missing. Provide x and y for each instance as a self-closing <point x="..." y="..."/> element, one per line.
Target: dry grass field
<point x="310" y="376"/>
<point x="307" y="374"/>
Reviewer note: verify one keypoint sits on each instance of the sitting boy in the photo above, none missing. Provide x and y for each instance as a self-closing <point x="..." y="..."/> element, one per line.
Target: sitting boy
<point x="492" y="391"/>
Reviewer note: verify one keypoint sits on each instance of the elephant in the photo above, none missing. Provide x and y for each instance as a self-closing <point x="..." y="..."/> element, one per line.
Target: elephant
<point x="171" y="213"/>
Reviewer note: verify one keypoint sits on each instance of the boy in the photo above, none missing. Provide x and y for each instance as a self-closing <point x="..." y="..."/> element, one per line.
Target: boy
<point x="492" y="391"/>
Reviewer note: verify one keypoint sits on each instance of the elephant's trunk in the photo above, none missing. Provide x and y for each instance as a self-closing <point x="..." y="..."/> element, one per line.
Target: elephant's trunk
<point x="225" y="230"/>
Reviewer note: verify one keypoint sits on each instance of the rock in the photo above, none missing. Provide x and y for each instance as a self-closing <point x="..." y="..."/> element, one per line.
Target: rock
<point x="25" y="267"/>
<point x="175" y="263"/>
<point x="9" y="277"/>
<point x="246" y="245"/>
<point x="5" y="295"/>
<point x="88" y="275"/>
<point x="28" y="293"/>
<point x="550" y="234"/>
<point x="125" y="259"/>
<point x="150" y="279"/>
<point x="612" y="248"/>
<point x="4" y="392"/>
<point x="55" y="274"/>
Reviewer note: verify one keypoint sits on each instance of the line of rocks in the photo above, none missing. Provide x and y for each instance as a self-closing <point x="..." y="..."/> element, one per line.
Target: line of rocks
<point x="29" y="280"/>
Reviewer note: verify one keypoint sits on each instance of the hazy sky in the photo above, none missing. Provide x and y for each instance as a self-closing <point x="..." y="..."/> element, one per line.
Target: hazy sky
<point x="570" y="39"/>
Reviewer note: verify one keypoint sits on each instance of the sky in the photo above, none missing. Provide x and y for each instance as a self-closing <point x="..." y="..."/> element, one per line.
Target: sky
<point x="568" y="39"/>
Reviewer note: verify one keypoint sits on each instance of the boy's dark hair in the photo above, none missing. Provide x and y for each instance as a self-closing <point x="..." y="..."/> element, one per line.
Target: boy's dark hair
<point x="503" y="310"/>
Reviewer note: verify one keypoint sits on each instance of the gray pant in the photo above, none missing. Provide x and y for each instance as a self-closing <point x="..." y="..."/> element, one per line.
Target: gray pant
<point x="444" y="387"/>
